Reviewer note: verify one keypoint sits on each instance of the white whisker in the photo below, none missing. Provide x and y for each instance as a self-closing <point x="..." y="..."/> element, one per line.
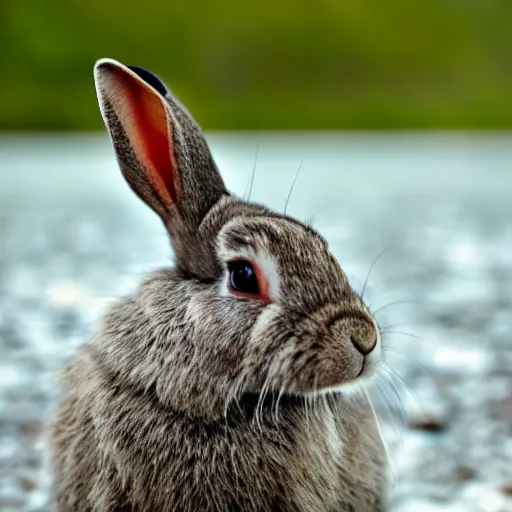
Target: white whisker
<point x="293" y="185"/>
<point x="394" y="303"/>
<point x="391" y="403"/>
<point x="379" y="429"/>
<point x="370" y="271"/>
<point x="402" y="334"/>
<point x="276" y="411"/>
<point x="408" y="356"/>
<point x="392" y="373"/>
<point x="248" y="190"/>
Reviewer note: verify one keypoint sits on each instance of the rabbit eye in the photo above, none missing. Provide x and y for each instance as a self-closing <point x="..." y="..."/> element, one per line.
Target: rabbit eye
<point x="245" y="279"/>
<point x="242" y="277"/>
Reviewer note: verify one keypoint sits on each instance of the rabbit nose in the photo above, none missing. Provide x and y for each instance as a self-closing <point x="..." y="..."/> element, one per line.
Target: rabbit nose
<point x="364" y="345"/>
<point x="360" y="330"/>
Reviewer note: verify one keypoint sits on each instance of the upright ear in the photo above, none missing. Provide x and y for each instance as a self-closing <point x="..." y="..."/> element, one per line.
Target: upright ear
<point x="160" y="149"/>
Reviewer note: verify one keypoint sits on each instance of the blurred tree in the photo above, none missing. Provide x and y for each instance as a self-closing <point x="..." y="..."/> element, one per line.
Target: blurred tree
<point x="287" y="64"/>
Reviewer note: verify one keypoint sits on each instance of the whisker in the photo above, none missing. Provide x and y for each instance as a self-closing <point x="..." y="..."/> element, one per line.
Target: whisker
<point x="408" y="356"/>
<point x="379" y="429"/>
<point x="395" y="303"/>
<point x="392" y="373"/>
<point x="370" y="271"/>
<point x="306" y="409"/>
<point x="311" y="402"/>
<point x="398" y="404"/>
<point x="324" y="399"/>
<point x="235" y="469"/>
<point x="391" y="415"/>
<point x="233" y="397"/>
<point x="293" y="185"/>
<point x="248" y="188"/>
<point x="259" y="405"/>
<point x="315" y="395"/>
<point x="276" y="412"/>
<point x="393" y="326"/>
<point x="424" y="340"/>
<point x="403" y="334"/>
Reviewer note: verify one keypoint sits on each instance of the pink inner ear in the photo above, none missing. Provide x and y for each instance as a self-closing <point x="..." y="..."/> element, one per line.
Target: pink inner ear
<point x="146" y="125"/>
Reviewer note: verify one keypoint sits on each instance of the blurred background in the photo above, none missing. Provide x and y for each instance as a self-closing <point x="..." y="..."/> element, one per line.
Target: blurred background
<point x="303" y="64"/>
<point x="401" y="114"/>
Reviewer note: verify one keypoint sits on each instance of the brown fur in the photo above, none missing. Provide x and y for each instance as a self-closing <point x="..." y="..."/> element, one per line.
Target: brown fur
<point x="189" y="399"/>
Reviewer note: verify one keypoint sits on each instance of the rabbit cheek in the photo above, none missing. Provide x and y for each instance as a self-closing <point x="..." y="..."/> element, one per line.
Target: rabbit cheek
<point x="262" y="350"/>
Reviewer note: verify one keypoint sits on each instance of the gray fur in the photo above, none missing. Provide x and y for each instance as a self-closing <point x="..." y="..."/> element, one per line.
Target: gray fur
<point x="190" y="400"/>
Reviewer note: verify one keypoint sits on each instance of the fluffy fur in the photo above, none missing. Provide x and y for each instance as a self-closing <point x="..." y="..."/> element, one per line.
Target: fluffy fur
<point x="193" y="399"/>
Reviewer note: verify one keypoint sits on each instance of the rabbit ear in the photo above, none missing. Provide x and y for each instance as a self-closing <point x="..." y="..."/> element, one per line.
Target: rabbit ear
<point x="160" y="148"/>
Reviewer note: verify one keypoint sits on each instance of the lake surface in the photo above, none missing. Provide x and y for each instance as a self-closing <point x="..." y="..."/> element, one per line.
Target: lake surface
<point x="438" y="207"/>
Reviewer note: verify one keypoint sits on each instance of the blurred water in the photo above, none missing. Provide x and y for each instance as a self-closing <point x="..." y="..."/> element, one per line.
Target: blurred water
<point x="73" y="236"/>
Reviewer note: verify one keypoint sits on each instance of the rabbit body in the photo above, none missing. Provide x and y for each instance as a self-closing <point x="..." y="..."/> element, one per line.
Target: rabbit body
<point x="218" y="385"/>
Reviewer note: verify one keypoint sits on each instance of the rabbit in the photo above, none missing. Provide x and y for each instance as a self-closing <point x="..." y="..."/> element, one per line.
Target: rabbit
<point x="229" y="382"/>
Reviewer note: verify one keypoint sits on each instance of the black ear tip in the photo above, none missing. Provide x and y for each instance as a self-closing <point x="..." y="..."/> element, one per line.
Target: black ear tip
<point x="150" y="79"/>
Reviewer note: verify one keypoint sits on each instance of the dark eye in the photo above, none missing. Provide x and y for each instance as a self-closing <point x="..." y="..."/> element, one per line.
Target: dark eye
<point x="243" y="277"/>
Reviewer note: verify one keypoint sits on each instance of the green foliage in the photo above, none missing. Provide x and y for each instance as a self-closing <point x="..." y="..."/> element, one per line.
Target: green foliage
<point x="281" y="64"/>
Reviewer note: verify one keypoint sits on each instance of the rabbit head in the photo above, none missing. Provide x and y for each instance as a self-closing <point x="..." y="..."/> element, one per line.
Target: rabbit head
<point x="256" y="301"/>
